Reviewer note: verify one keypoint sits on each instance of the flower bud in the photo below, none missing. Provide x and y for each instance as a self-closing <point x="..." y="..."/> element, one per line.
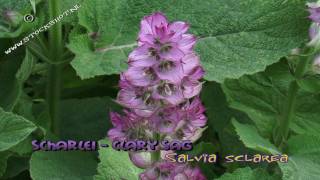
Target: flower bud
<point x="12" y="17"/>
<point x="141" y="159"/>
<point x="316" y="65"/>
<point x="314" y="10"/>
<point x="314" y="34"/>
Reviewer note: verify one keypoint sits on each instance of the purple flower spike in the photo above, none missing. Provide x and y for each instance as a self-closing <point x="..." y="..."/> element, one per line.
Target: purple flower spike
<point x="161" y="90"/>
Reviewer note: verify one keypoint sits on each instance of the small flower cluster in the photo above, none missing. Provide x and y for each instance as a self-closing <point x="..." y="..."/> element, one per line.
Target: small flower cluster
<point x="314" y="10"/>
<point x="314" y="31"/>
<point x="161" y="90"/>
<point x="166" y="170"/>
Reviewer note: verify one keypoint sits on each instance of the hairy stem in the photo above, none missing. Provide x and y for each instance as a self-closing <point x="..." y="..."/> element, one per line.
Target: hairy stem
<point x="289" y="106"/>
<point x="155" y="156"/>
<point x="54" y="73"/>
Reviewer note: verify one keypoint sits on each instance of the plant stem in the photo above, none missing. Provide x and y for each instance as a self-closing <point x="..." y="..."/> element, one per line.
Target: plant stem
<point x="287" y="114"/>
<point x="54" y="73"/>
<point x="288" y="110"/>
<point x="155" y="156"/>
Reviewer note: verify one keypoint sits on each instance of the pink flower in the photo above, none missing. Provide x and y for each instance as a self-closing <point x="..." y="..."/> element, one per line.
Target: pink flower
<point x="171" y="171"/>
<point x="137" y="98"/>
<point x="169" y="70"/>
<point x="161" y="90"/>
<point x="141" y="76"/>
<point x="167" y="39"/>
<point x="165" y="120"/>
<point x="314" y="31"/>
<point x="314" y="10"/>
<point x="168" y="92"/>
<point x="163" y="73"/>
<point x="129" y="127"/>
<point x="141" y="159"/>
<point x="192" y="121"/>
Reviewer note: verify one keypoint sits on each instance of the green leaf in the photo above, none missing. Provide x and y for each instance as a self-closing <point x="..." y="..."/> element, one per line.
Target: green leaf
<point x="24" y="147"/>
<point x="16" y="165"/>
<point x="262" y="97"/>
<point x="3" y="162"/>
<point x="9" y="89"/>
<point x="217" y="109"/>
<point x="304" y="144"/>
<point x="231" y="43"/>
<point x="310" y="84"/>
<point x="89" y="63"/>
<point x="115" y="165"/>
<point x="304" y="158"/>
<point x="219" y="120"/>
<point x="70" y="165"/>
<point x="205" y="148"/>
<point x="303" y="152"/>
<point x="33" y="5"/>
<point x="13" y="129"/>
<point x="247" y="174"/>
<point x="86" y="118"/>
<point x="250" y="137"/>
<point x="72" y="17"/>
<point x="15" y="27"/>
<point x="12" y="78"/>
<point x="254" y="36"/>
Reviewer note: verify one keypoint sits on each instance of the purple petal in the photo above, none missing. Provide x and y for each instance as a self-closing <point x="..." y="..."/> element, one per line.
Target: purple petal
<point x="187" y="42"/>
<point x="116" y="134"/>
<point x="141" y="159"/>
<point x="314" y="10"/>
<point x="190" y="62"/>
<point x="129" y="99"/>
<point x="115" y="119"/>
<point x="191" y="88"/>
<point x="158" y="20"/>
<point x="170" y="93"/>
<point x="140" y="57"/>
<point x="165" y="120"/>
<point x="197" y="73"/>
<point x="170" y="70"/>
<point x="140" y="76"/>
<point x="150" y="174"/>
<point x="173" y="54"/>
<point x="145" y="112"/>
<point x="314" y="31"/>
<point x="177" y="29"/>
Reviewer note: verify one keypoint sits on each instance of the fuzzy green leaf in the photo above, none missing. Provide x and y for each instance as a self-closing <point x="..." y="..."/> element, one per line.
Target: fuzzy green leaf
<point x="250" y="137"/>
<point x="115" y="165"/>
<point x="310" y="84"/>
<point x="247" y="174"/>
<point x="12" y="76"/>
<point x="86" y="118"/>
<point x="304" y="158"/>
<point x="304" y="152"/>
<point x="3" y="162"/>
<point x="13" y="25"/>
<point x="13" y="129"/>
<point x="231" y="42"/>
<point x="262" y="97"/>
<point x="70" y="165"/>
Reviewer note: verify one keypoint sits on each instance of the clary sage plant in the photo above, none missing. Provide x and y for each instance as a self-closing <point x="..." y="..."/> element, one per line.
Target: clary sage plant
<point x="239" y="79"/>
<point x="161" y="90"/>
